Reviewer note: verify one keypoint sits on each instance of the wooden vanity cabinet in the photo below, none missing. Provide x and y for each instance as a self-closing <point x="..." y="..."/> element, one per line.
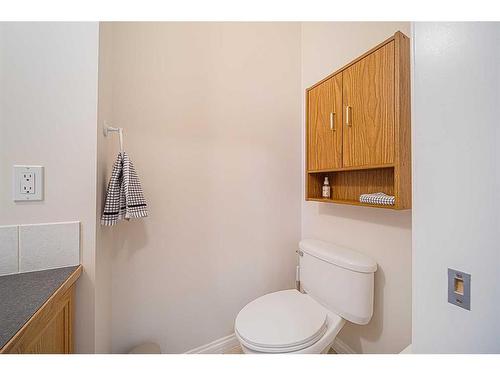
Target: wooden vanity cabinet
<point x="358" y="128"/>
<point x="50" y="329"/>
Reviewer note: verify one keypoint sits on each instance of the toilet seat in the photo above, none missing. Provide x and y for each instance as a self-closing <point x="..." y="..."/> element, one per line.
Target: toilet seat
<point x="281" y="322"/>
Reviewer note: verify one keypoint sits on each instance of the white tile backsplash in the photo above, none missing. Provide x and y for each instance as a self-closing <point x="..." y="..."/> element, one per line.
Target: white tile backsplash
<point x="8" y="249"/>
<point x="44" y="246"/>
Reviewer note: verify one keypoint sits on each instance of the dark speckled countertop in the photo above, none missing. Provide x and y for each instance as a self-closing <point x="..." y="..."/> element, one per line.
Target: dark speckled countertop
<point x="22" y="294"/>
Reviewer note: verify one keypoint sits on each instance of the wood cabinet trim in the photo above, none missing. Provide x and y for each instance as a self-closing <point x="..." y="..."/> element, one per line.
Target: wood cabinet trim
<point x="306" y="158"/>
<point x="30" y="331"/>
<point x="350" y="202"/>
<point x="402" y="118"/>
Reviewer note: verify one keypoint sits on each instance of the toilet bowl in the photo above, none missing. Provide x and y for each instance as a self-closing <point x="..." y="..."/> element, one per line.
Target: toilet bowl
<point x="338" y="286"/>
<point x="286" y="322"/>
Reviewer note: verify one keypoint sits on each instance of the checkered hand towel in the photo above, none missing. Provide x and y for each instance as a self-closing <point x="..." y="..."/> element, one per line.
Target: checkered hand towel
<point x="377" y="198"/>
<point x="124" y="199"/>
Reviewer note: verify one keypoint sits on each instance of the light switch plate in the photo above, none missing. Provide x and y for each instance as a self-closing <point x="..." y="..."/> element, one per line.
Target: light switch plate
<point x="459" y="288"/>
<point x="27" y="183"/>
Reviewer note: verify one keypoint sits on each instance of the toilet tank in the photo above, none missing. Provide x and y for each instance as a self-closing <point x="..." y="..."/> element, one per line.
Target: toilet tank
<point x="339" y="278"/>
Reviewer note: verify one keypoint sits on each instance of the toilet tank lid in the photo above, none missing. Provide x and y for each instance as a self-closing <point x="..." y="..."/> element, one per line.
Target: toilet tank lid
<point x="338" y="255"/>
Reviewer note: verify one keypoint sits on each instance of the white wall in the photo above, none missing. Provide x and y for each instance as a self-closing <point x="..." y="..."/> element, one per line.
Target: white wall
<point x="211" y="113"/>
<point x="385" y="235"/>
<point x="456" y="145"/>
<point x="48" y="112"/>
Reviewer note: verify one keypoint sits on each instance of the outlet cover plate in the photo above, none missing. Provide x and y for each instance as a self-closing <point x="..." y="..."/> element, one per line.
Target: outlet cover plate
<point x="27" y="183"/>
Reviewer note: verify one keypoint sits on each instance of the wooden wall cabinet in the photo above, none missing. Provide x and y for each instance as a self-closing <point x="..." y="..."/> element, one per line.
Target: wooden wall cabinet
<point x="358" y="128"/>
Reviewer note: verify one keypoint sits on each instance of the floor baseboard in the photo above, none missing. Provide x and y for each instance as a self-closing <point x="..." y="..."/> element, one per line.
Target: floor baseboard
<point x="219" y="346"/>
<point x="341" y="347"/>
<point x="230" y="344"/>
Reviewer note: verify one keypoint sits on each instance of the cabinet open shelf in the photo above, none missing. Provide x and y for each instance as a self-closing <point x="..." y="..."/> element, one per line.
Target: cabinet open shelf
<point x="348" y="185"/>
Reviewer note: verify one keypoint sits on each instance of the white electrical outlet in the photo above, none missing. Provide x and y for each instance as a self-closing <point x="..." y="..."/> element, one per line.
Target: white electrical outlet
<point x="27" y="183"/>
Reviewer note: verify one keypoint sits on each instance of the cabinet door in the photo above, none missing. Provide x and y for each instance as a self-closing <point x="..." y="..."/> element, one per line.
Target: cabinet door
<point x="368" y="92"/>
<point x="53" y="339"/>
<point x="49" y="331"/>
<point x="325" y="125"/>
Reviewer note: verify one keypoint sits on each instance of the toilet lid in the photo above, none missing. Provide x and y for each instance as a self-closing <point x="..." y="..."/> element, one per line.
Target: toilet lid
<point x="283" y="321"/>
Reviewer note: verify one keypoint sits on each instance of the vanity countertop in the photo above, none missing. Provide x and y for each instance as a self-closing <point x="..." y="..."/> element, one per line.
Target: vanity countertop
<point x="22" y="294"/>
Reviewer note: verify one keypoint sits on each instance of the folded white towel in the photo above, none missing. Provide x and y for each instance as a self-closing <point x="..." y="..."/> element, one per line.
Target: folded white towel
<point x="377" y="198"/>
<point x="124" y="199"/>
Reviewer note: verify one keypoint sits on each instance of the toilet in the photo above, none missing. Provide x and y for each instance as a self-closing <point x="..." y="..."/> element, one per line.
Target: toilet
<point x="337" y="286"/>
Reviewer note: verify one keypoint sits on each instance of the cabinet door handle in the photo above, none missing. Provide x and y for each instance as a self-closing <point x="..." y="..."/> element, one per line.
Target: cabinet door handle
<point x="348" y="115"/>
<point x="332" y="123"/>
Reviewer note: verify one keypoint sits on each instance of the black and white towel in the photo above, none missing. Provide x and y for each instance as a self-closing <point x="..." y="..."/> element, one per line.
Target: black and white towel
<point x="377" y="198"/>
<point x="124" y="199"/>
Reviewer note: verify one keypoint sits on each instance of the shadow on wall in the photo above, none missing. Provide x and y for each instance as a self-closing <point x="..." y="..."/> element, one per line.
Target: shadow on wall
<point x="379" y="233"/>
<point x="130" y="236"/>
<point x="388" y="217"/>
<point x="373" y="330"/>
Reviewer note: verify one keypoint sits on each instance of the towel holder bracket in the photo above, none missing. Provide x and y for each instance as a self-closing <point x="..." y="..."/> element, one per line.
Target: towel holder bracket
<point x="107" y="129"/>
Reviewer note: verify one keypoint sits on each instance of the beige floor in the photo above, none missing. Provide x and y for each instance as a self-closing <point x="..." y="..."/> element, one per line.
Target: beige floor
<point x="235" y="350"/>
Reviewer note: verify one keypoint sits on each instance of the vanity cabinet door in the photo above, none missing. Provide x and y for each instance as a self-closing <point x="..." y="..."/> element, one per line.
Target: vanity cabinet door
<point x="55" y="336"/>
<point x="368" y="105"/>
<point x="324" y="118"/>
<point x="49" y="331"/>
